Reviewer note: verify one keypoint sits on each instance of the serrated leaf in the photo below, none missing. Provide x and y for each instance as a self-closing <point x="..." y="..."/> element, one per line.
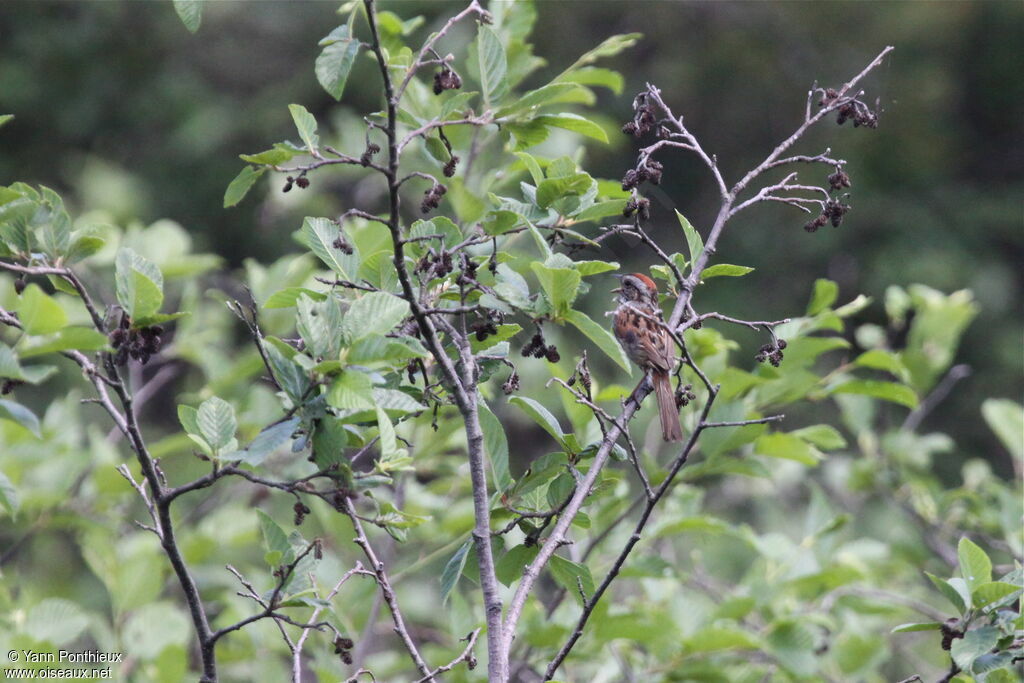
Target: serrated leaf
<point x="286" y="298"/>
<point x="725" y="270"/>
<point x="453" y="570"/>
<point x="373" y="313"/>
<point x="573" y="577"/>
<point x="693" y="239"/>
<point x="78" y="338"/>
<point x="190" y="12"/>
<point x="240" y="186"/>
<point x="1006" y="419"/>
<point x="548" y="94"/>
<point x="975" y="566"/>
<point x="39" y="313"/>
<point x="319" y="234"/>
<point x="993" y="591"/>
<point x="887" y="391"/>
<point x="18" y="413"/>
<point x="822" y="436"/>
<point x="496" y="447"/>
<point x="188" y="417"/>
<point x="974" y="644"/>
<point x="55" y="621"/>
<point x="510" y="567"/>
<point x="552" y="189"/>
<point x="8" y="495"/>
<point x="919" y="626"/>
<point x="305" y="123"/>
<point x="288" y="374"/>
<point x="216" y="422"/>
<point x="335" y="61"/>
<point x="492" y="64"/>
<point x="275" y="540"/>
<point x="541" y="415"/>
<point x="825" y="294"/>
<point x="352" y="390"/>
<point x="560" y="285"/>
<point x="950" y="592"/>
<point x="788" y="446"/>
<point x="600" y="336"/>
<point x="575" y="123"/>
<point x="139" y="284"/>
<point x="267" y="441"/>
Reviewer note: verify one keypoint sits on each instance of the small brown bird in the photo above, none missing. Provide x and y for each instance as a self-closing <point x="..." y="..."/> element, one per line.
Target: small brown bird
<point x="649" y="345"/>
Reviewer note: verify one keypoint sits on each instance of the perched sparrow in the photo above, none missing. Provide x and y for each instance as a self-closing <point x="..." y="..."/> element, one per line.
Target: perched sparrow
<point x="648" y="345"/>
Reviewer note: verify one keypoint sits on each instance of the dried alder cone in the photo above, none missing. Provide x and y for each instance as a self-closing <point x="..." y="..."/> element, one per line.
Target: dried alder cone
<point x="639" y="327"/>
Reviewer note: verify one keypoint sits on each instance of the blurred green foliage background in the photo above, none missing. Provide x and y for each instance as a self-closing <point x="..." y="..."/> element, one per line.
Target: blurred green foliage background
<point x="120" y="109"/>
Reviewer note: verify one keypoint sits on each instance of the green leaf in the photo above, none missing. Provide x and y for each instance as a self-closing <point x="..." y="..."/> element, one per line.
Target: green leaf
<point x="190" y="12"/>
<point x="572" y="576"/>
<point x="600" y="336"/>
<point x="541" y="415"/>
<point x="453" y="570"/>
<point x="267" y="441"/>
<point x="79" y="338"/>
<point x="575" y="123"/>
<point x="241" y="185"/>
<point x="718" y="638"/>
<point x="39" y="313"/>
<point x="975" y="566"/>
<point x="993" y="591"/>
<point x="505" y="332"/>
<point x="287" y="297"/>
<point x="336" y="60"/>
<point x="1006" y="419"/>
<point x="492" y="64"/>
<point x="919" y="626"/>
<point x="693" y="239"/>
<point x="4" y="118"/>
<point x="188" y="417"/>
<point x="527" y="134"/>
<point x="55" y="621"/>
<point x="974" y="644"/>
<point x="8" y="495"/>
<point x="496" y="446"/>
<point x="560" y="285"/>
<point x="822" y="436"/>
<point x="609" y="47"/>
<point x="373" y="313"/>
<point x="288" y="374"/>
<point x="595" y="212"/>
<point x="353" y="390"/>
<point x="825" y="294"/>
<point x="275" y="541"/>
<point x="305" y="123"/>
<point x="887" y="391"/>
<point x="548" y="94"/>
<point x="950" y="592"/>
<point x="879" y="359"/>
<point x="788" y="446"/>
<point x="139" y="284"/>
<point x="510" y="567"/>
<point x="725" y="270"/>
<point x="9" y="410"/>
<point x="319" y="234"/>
<point x="593" y="75"/>
<point x="281" y="153"/>
<point x="552" y="189"/>
<point x="216" y="422"/>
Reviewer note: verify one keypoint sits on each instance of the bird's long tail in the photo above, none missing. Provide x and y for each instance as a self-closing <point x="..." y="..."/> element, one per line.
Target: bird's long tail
<point x="671" y="430"/>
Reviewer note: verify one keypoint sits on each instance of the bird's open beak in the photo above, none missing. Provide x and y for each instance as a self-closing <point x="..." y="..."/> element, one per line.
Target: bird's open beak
<point x="617" y="277"/>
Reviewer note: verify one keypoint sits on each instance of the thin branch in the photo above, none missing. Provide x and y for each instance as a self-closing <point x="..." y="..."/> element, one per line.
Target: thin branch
<point x="466" y="656"/>
<point x="377" y="567"/>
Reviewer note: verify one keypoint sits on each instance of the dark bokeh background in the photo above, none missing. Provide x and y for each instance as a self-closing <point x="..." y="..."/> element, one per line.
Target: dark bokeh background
<point x="121" y="109"/>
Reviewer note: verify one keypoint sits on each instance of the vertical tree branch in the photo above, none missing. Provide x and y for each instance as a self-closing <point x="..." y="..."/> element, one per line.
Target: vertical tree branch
<point x="463" y="387"/>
